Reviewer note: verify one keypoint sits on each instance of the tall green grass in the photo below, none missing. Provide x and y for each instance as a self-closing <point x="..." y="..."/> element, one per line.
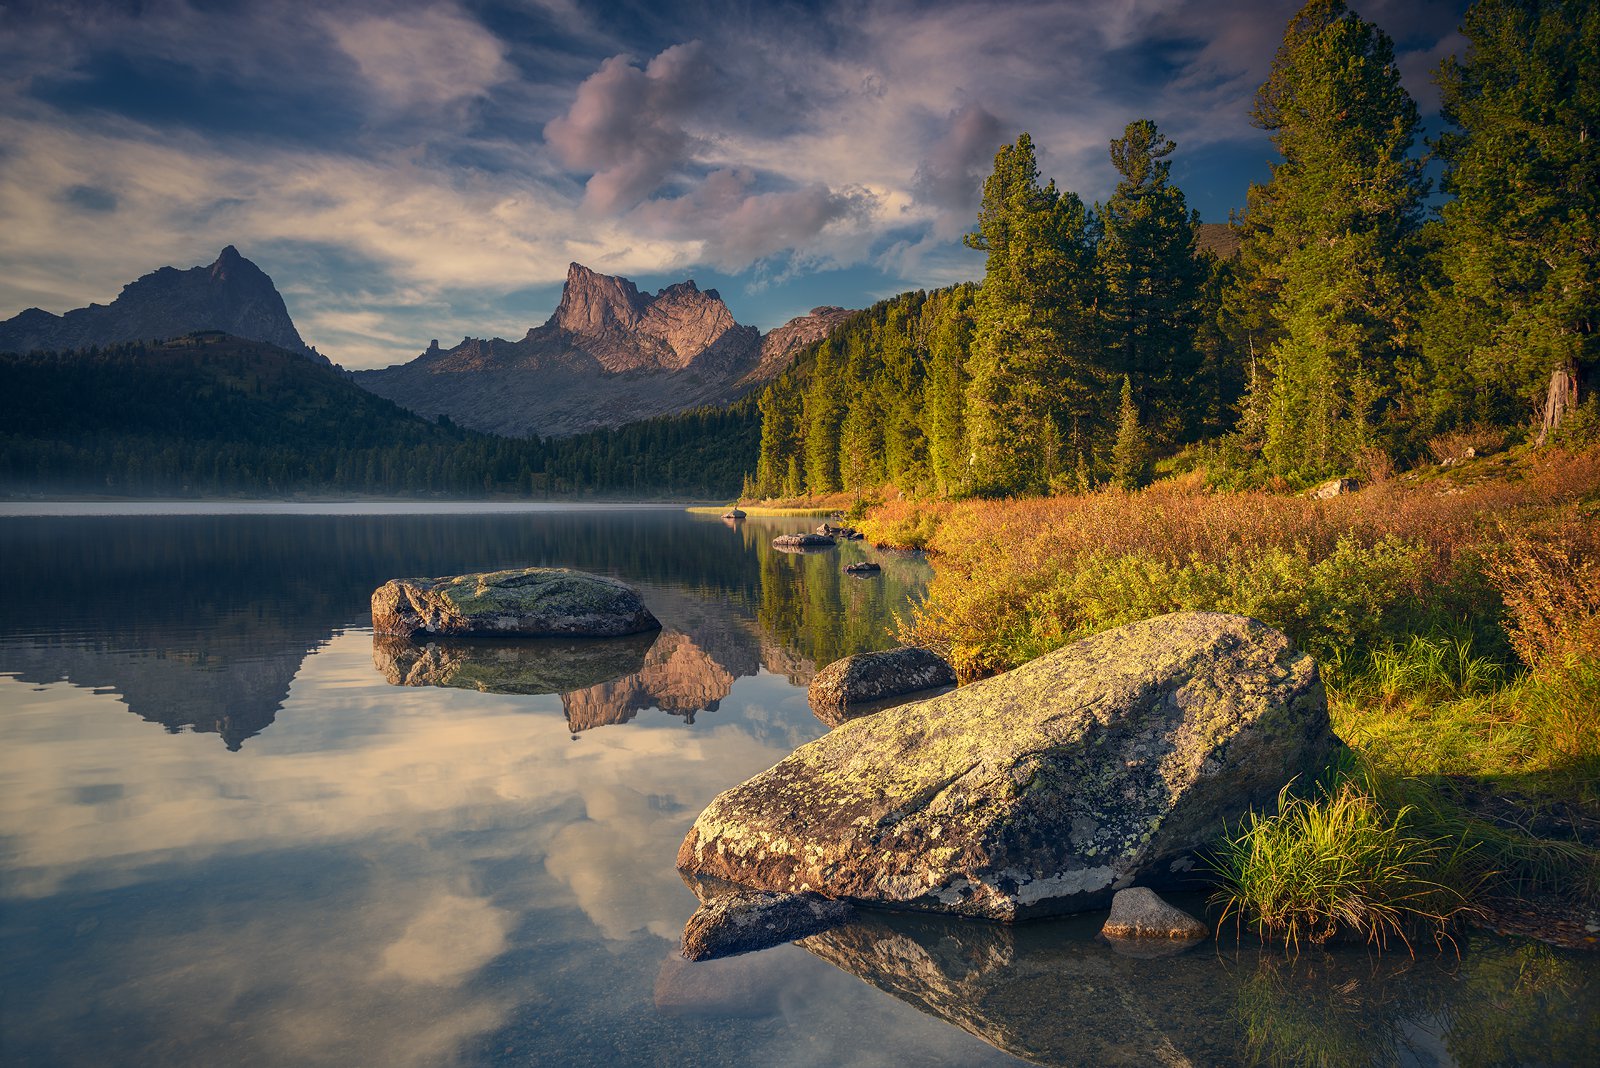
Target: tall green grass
<point x="1339" y="862"/>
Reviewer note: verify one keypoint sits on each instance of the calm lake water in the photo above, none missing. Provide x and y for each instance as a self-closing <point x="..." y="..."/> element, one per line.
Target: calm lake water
<point x="234" y="830"/>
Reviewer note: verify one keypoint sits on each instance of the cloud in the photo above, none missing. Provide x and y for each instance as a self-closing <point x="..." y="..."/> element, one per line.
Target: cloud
<point x="949" y="179"/>
<point x="626" y="125"/>
<point x="428" y="58"/>
<point x="738" y="225"/>
<point x="387" y="157"/>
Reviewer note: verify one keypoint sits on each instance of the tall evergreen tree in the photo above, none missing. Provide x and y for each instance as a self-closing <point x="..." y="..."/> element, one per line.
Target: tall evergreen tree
<point x="1521" y="239"/>
<point x="1150" y="278"/>
<point x="1033" y="379"/>
<point x="1130" y="455"/>
<point x="1335" y="233"/>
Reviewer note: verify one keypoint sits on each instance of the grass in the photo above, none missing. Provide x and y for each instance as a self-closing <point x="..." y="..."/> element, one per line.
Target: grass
<point x="1340" y="861"/>
<point x="1457" y="620"/>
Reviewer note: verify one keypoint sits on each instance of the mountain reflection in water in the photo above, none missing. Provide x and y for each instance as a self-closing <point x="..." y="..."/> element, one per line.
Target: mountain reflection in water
<point x="201" y="622"/>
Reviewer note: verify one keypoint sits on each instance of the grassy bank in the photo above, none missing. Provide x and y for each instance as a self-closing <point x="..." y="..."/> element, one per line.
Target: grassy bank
<point x="1457" y="622"/>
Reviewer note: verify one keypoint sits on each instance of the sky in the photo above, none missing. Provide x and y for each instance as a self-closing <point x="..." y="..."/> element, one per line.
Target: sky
<point x="409" y="171"/>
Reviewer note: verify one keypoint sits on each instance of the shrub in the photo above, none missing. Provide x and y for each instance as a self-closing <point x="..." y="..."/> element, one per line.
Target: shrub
<point x="1549" y="577"/>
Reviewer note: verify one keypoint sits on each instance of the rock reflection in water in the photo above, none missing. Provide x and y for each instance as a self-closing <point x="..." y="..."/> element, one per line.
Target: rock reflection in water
<point x="601" y="681"/>
<point x="1053" y="994"/>
<point x="678" y="677"/>
<point x="538" y="666"/>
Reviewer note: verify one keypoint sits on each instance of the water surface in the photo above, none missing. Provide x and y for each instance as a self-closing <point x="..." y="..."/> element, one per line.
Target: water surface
<point x="235" y="829"/>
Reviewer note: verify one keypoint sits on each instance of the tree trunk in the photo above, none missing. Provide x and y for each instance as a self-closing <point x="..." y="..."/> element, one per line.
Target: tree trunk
<point x="1562" y="398"/>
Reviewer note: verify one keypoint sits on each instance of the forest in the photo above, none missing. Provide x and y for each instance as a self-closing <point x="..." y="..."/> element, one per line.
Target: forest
<point x="1366" y="314"/>
<point x="209" y="415"/>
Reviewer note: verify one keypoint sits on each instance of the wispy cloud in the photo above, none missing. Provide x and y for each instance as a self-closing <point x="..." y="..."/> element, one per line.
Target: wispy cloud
<point x="430" y="163"/>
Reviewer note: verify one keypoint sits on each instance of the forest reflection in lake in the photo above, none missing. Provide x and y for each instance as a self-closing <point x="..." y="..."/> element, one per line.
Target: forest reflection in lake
<point x="463" y="855"/>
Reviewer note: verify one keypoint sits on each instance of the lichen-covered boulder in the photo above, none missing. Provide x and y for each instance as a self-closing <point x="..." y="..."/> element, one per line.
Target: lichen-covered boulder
<point x="744" y="921"/>
<point x="531" y="602"/>
<point x="873" y="677"/>
<point x="1037" y="792"/>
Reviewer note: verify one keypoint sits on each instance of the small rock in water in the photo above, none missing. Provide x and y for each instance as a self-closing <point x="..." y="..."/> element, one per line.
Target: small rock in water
<point x="866" y="567"/>
<point x="802" y="541"/>
<point x="872" y="677"/>
<point x="748" y="920"/>
<point x="1138" y="912"/>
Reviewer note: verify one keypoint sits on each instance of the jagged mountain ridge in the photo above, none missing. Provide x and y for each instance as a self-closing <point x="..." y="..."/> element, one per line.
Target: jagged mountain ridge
<point x="231" y="294"/>
<point x="608" y="355"/>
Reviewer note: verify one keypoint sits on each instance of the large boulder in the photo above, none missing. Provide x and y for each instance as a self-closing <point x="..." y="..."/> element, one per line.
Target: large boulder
<point x="872" y="677"/>
<point x="1037" y="792"/>
<point x="531" y="602"/>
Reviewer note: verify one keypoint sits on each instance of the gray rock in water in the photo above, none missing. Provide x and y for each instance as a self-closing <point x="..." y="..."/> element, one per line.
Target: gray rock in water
<point x="1138" y="913"/>
<point x="744" y="921"/>
<point x="533" y="602"/>
<point x="874" y="677"/>
<point x="1040" y="791"/>
<point x="803" y="541"/>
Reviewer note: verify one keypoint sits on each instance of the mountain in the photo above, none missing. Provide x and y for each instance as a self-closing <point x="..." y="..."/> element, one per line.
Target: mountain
<point x="1220" y="239"/>
<point x="779" y="347"/>
<point x="231" y="295"/>
<point x="609" y="355"/>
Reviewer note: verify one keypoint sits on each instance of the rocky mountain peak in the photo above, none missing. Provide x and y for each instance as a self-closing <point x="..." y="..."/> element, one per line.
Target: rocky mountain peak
<point x="231" y="294"/>
<point x="591" y="302"/>
<point x="609" y="354"/>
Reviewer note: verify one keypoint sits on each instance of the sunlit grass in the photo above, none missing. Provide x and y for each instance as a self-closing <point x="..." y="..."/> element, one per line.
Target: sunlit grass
<point x="1341" y="862"/>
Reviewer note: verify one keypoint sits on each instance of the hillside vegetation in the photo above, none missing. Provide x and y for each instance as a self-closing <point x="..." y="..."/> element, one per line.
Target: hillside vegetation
<point x="212" y="414"/>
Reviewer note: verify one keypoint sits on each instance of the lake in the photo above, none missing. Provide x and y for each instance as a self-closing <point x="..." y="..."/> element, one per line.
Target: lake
<point x="235" y="829"/>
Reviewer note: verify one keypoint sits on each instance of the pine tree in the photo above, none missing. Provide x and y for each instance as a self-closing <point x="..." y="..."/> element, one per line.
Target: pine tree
<point x="948" y="317"/>
<point x="1521" y="239"/>
<point x="1032" y="351"/>
<point x="1130" y="455"/>
<point x="1150" y="279"/>
<point x="1335" y="234"/>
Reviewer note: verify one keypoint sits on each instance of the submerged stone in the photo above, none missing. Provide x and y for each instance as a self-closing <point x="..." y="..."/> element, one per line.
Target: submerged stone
<point x="1040" y="791"/>
<point x="1138" y="912"/>
<point x="531" y="602"/>
<point x="839" y="689"/>
<point x="744" y="921"/>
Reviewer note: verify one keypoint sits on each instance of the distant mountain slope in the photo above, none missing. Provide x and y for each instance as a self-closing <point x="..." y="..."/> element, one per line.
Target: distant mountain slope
<point x="1220" y="239"/>
<point x="212" y="414"/>
<point x="778" y="348"/>
<point x="205" y="386"/>
<point x="609" y="355"/>
<point x="232" y="295"/>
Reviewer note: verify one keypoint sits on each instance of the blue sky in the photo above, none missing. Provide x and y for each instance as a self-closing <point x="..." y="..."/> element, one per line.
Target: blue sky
<point x="409" y="171"/>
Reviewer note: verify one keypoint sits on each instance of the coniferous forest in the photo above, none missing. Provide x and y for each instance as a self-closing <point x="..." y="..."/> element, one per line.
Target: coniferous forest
<point x="1369" y="310"/>
<point x="1364" y="316"/>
